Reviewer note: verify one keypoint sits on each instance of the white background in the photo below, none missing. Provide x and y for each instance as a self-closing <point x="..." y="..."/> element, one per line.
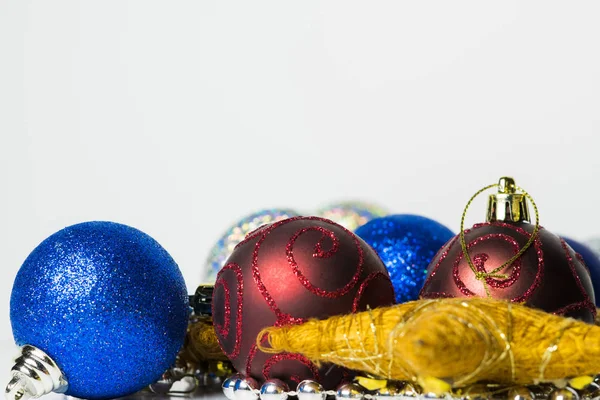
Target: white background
<point x="178" y="117"/>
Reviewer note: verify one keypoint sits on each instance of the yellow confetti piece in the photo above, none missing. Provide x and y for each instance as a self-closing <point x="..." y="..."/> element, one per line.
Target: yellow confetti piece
<point x="581" y="382"/>
<point x="370" y="383"/>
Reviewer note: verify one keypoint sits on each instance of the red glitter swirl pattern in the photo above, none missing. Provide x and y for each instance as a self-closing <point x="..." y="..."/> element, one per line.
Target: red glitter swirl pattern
<point x="537" y="244"/>
<point x="250" y="358"/>
<point x="581" y="260"/>
<point x="223" y="329"/>
<point x="256" y="272"/>
<point x="319" y="253"/>
<point x="227" y="313"/>
<point x="587" y="302"/>
<point x="479" y="263"/>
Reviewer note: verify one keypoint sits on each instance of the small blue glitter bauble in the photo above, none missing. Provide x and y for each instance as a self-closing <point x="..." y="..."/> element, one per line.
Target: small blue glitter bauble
<point x="107" y="303"/>
<point x="592" y="261"/>
<point x="406" y="244"/>
<point x="221" y="251"/>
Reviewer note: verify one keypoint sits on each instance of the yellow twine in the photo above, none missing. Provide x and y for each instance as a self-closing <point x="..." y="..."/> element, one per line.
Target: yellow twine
<point x="461" y="341"/>
<point x="201" y="343"/>
<point x="482" y="276"/>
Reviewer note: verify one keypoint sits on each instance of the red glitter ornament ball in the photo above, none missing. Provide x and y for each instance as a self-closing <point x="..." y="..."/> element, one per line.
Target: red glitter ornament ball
<point x="549" y="276"/>
<point x="285" y="273"/>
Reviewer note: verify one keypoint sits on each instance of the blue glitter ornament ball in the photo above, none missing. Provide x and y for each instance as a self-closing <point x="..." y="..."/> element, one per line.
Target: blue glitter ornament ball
<point x="591" y="260"/>
<point x="107" y="303"/>
<point x="221" y="251"/>
<point x="406" y="244"/>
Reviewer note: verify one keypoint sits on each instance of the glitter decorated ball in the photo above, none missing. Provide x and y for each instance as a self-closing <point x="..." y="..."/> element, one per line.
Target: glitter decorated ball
<point x="406" y="244"/>
<point x="106" y="302"/>
<point x="350" y="214"/>
<point x="592" y="261"/>
<point x="549" y="276"/>
<point x="236" y="233"/>
<point x="285" y="273"/>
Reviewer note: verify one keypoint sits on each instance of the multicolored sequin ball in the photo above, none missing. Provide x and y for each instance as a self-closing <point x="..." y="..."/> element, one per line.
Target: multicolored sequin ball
<point x="351" y="215"/>
<point x="236" y="233"/>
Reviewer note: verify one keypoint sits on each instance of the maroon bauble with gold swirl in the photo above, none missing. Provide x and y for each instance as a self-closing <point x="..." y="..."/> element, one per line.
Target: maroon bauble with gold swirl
<point x="549" y="276"/>
<point x="286" y="273"/>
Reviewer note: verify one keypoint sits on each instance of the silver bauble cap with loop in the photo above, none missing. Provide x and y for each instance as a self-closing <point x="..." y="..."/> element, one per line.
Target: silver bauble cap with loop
<point x="33" y="375"/>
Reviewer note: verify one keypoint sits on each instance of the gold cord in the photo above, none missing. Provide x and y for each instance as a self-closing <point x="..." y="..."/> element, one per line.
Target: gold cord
<point x="483" y="276"/>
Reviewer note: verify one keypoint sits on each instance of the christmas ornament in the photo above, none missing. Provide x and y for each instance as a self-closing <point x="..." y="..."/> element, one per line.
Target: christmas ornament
<point x="101" y="310"/>
<point x="592" y="262"/>
<point x="510" y="258"/>
<point x="351" y="214"/>
<point x="236" y="233"/>
<point x="406" y="244"/>
<point x="285" y="273"/>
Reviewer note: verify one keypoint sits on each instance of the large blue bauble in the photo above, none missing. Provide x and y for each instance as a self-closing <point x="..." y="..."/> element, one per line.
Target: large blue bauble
<point x="107" y="303"/>
<point x="406" y="244"/>
<point x="592" y="261"/>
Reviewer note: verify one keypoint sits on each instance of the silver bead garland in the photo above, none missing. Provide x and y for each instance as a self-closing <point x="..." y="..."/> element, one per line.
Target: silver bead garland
<point x="239" y="387"/>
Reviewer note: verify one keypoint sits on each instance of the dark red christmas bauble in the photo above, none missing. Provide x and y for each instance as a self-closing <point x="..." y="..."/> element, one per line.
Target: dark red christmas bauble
<point x="549" y="276"/>
<point x="285" y="273"/>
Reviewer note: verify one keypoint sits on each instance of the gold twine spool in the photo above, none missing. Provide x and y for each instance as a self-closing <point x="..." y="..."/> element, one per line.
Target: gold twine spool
<point x="461" y="341"/>
<point x="202" y="343"/>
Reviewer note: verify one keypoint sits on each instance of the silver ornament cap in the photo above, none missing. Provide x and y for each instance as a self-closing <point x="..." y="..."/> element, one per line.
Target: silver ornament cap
<point x="310" y="390"/>
<point x="33" y="375"/>
<point x="274" y="389"/>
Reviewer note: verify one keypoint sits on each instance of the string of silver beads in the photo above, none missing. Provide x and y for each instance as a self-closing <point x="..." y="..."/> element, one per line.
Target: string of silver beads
<point x="239" y="387"/>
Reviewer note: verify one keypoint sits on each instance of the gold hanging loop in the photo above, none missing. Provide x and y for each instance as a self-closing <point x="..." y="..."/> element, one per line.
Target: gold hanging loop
<point x="506" y="185"/>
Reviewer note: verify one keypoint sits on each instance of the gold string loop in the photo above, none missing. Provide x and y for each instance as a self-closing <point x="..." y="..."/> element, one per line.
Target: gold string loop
<point x="495" y="274"/>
